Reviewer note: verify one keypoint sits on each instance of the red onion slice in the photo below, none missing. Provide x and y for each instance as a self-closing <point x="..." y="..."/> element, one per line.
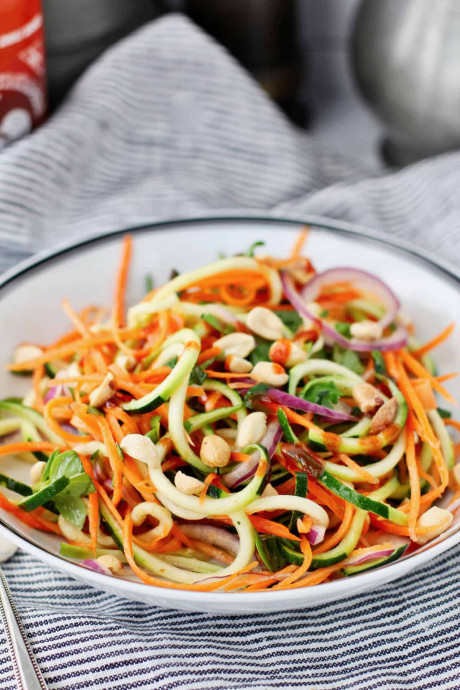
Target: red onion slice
<point x="316" y="534"/>
<point x="97" y="567"/>
<point x="296" y="403"/>
<point x="56" y="392"/>
<point x="213" y="535"/>
<point x="246" y="470"/>
<point x="360" y="278"/>
<point x="381" y="553"/>
<point x="395" y="341"/>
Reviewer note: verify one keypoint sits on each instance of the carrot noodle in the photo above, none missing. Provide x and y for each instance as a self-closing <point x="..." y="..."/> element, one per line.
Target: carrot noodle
<point x="174" y="353"/>
<point x="435" y="341"/>
<point x="122" y="280"/>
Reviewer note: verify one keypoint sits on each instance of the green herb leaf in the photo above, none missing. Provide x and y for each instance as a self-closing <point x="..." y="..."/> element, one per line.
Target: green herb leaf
<point x="149" y="283"/>
<point x="171" y="362"/>
<point x="72" y="508"/>
<point x="323" y="393"/>
<point x="445" y="414"/>
<point x="291" y="319"/>
<point x="214" y="322"/>
<point x="260" y="352"/>
<point x="324" y="313"/>
<point x="348" y="359"/>
<point x="250" y="251"/>
<point x="379" y="363"/>
<point x="68" y="465"/>
<point x="198" y="376"/>
<point x="343" y="328"/>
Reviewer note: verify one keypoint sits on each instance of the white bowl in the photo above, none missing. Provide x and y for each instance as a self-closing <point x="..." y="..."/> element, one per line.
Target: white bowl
<point x="84" y="273"/>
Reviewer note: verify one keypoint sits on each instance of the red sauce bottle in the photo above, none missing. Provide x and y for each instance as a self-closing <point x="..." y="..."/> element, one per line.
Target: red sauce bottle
<point x="22" y="68"/>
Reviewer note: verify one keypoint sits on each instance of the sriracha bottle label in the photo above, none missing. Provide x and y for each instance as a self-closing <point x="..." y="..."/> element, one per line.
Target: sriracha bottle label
<point x="22" y="68"/>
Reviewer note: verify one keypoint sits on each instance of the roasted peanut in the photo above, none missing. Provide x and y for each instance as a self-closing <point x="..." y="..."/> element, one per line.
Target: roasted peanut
<point x="238" y="344"/>
<point x="265" y="323"/>
<point x="140" y="448"/>
<point x="270" y="373"/>
<point x="215" y="451"/>
<point x="366" y="330"/>
<point x="237" y="365"/>
<point x="251" y="429"/>
<point x="287" y="353"/>
<point x="367" y="398"/>
<point x="436" y="520"/>
<point x="104" y="392"/>
<point x="111" y="562"/>
<point x="384" y="416"/>
<point x="188" y="485"/>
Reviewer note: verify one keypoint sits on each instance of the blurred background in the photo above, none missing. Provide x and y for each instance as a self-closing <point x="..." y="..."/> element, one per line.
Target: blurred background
<point x="375" y="79"/>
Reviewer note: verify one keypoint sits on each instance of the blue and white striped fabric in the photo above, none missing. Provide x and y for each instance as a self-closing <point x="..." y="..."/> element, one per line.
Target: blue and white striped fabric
<point x="166" y="125"/>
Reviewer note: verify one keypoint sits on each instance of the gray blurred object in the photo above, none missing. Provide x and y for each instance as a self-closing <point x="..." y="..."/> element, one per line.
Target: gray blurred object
<point x="406" y="59"/>
<point x="78" y="31"/>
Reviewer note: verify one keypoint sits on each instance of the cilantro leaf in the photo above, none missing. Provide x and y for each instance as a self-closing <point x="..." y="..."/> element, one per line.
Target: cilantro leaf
<point x="197" y="376"/>
<point x="291" y="319"/>
<point x="260" y="352"/>
<point x="250" y="251"/>
<point x="171" y="362"/>
<point x="323" y="393"/>
<point x="348" y="359"/>
<point x="379" y="364"/>
<point x="343" y="328"/>
<point x="445" y="414"/>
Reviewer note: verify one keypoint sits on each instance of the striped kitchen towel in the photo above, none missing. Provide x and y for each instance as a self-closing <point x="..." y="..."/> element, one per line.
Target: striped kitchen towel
<point x="165" y="125"/>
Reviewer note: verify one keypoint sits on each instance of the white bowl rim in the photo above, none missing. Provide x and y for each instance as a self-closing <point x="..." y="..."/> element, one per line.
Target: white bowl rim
<point x="335" y="589"/>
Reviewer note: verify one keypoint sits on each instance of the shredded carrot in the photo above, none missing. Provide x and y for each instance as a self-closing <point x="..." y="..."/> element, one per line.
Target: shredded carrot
<point x="334" y="539"/>
<point x="115" y="460"/>
<point x="419" y="370"/>
<point x="299" y="243"/>
<point x="209" y="479"/>
<point x="367" y="476"/>
<point x="75" y="319"/>
<point x="122" y="280"/>
<point x="413" y="478"/>
<point x="434" y="342"/>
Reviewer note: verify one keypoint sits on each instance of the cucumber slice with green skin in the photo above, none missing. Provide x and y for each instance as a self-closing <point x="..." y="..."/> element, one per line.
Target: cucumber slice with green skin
<point x="343" y="548"/>
<point x="377" y="563"/>
<point x="30" y="433"/>
<point x="364" y="502"/>
<point x="190" y="563"/>
<point x="358" y="430"/>
<point x="439" y="428"/>
<point x="286" y="428"/>
<point x="184" y="280"/>
<point x="200" y="420"/>
<point x="269" y="552"/>
<point x="10" y="425"/>
<point x="367" y="444"/>
<point x="82" y="553"/>
<point x="222" y="506"/>
<point x="179" y="373"/>
<point x="306" y="460"/>
<point x="170" y="572"/>
<point x="234" y="397"/>
<point x="376" y="469"/>
<point x="14" y="485"/>
<point x="320" y="367"/>
<point x="301" y="489"/>
<point x="16" y="408"/>
<point x="177" y="432"/>
<point x="41" y="497"/>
